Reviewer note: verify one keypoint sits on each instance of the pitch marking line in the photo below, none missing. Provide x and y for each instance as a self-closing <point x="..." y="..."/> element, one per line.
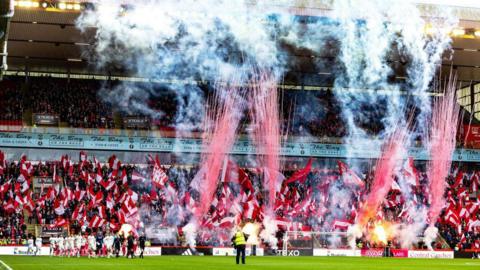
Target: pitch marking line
<point x="5" y="265"/>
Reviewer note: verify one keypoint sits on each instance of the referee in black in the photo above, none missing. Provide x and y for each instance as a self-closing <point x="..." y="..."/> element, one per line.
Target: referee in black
<point x="141" y="244"/>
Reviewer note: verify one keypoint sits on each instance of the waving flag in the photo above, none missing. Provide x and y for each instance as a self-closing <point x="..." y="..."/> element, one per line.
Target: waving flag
<point x="341" y="225"/>
<point x="410" y="172"/>
<point x="349" y="176"/>
<point x="458" y="179"/>
<point x="159" y="177"/>
<point x="96" y="222"/>
<point x="301" y="175"/>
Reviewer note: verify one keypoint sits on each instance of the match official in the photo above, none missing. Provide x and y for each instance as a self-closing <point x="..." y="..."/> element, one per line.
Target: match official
<point x="239" y="242"/>
<point x="141" y="242"/>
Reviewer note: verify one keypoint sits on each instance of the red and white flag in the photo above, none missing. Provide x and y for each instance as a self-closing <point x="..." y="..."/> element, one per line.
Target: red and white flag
<point x="129" y="207"/>
<point x="341" y="224"/>
<point x="301" y="175"/>
<point x="349" y="176"/>
<point x="56" y="178"/>
<point x="59" y="222"/>
<point x="83" y="156"/>
<point x="410" y="172"/>
<point x="137" y="177"/>
<point x="458" y="179"/>
<point x="99" y="175"/>
<point x="159" y="177"/>
<point x="96" y="222"/>
<point x="58" y="207"/>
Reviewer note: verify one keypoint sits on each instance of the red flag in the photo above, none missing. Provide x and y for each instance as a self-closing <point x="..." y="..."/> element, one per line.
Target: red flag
<point x="108" y="184"/>
<point x="3" y="164"/>
<point x="136" y="177"/>
<point x="5" y="187"/>
<point x="56" y="178"/>
<point x="83" y="156"/>
<point x="228" y="222"/>
<point x="101" y="212"/>
<point x="9" y="206"/>
<point x="114" y="163"/>
<point x="79" y="194"/>
<point x="110" y="203"/>
<point x="301" y="175"/>
<point x="58" y="207"/>
<point x="410" y="172"/>
<point x="349" y="177"/>
<point x="341" y="224"/>
<point x="124" y="177"/>
<point x="99" y="176"/>
<point x="77" y="213"/>
<point x="96" y="222"/>
<point x="129" y="207"/>
<point x="59" y="222"/>
<point x="159" y="177"/>
<point x="474" y="182"/>
<point x="395" y="186"/>
<point x="458" y="179"/>
<point x="114" y="226"/>
<point x="19" y="200"/>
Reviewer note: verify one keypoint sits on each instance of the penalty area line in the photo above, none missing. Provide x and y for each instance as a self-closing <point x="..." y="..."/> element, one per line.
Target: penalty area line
<point x="5" y="266"/>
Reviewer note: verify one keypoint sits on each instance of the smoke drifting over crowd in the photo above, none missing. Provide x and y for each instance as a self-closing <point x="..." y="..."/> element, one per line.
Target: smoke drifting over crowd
<point x="236" y="46"/>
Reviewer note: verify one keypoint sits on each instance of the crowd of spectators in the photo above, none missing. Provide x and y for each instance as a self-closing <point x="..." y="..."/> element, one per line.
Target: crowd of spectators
<point x="74" y="101"/>
<point x="82" y="104"/>
<point x="120" y="193"/>
<point x="11" y="96"/>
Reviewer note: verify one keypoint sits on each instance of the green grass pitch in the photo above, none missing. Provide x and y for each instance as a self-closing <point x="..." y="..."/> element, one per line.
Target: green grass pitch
<point x="253" y="263"/>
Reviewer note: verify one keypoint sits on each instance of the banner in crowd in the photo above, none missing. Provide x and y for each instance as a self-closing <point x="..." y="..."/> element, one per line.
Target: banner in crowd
<point x="136" y="123"/>
<point x="243" y="147"/>
<point x="46" y="181"/>
<point x="48" y="231"/>
<point x="45" y="119"/>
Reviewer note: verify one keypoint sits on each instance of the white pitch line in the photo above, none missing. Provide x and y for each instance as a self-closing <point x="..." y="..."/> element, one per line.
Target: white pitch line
<point x="5" y="265"/>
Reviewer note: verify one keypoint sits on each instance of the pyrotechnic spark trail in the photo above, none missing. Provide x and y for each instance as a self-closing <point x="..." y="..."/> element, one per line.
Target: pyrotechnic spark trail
<point x="267" y="135"/>
<point x="219" y="139"/>
<point x="444" y="125"/>
<point x="385" y="171"/>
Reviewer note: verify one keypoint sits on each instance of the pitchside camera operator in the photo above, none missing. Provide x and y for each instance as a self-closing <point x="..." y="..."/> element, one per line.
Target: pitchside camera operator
<point x="239" y="243"/>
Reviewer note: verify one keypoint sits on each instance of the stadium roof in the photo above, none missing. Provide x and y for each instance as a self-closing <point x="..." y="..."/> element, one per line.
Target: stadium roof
<point x="46" y="39"/>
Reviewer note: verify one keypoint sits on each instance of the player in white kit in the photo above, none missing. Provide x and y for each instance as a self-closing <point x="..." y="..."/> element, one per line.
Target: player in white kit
<point x="84" y="245"/>
<point x="31" y="246"/>
<point x="78" y="244"/>
<point x="61" y="246"/>
<point x="109" y="244"/>
<point x="53" y="243"/>
<point x="92" y="246"/>
<point x="71" y="243"/>
<point x="38" y="244"/>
